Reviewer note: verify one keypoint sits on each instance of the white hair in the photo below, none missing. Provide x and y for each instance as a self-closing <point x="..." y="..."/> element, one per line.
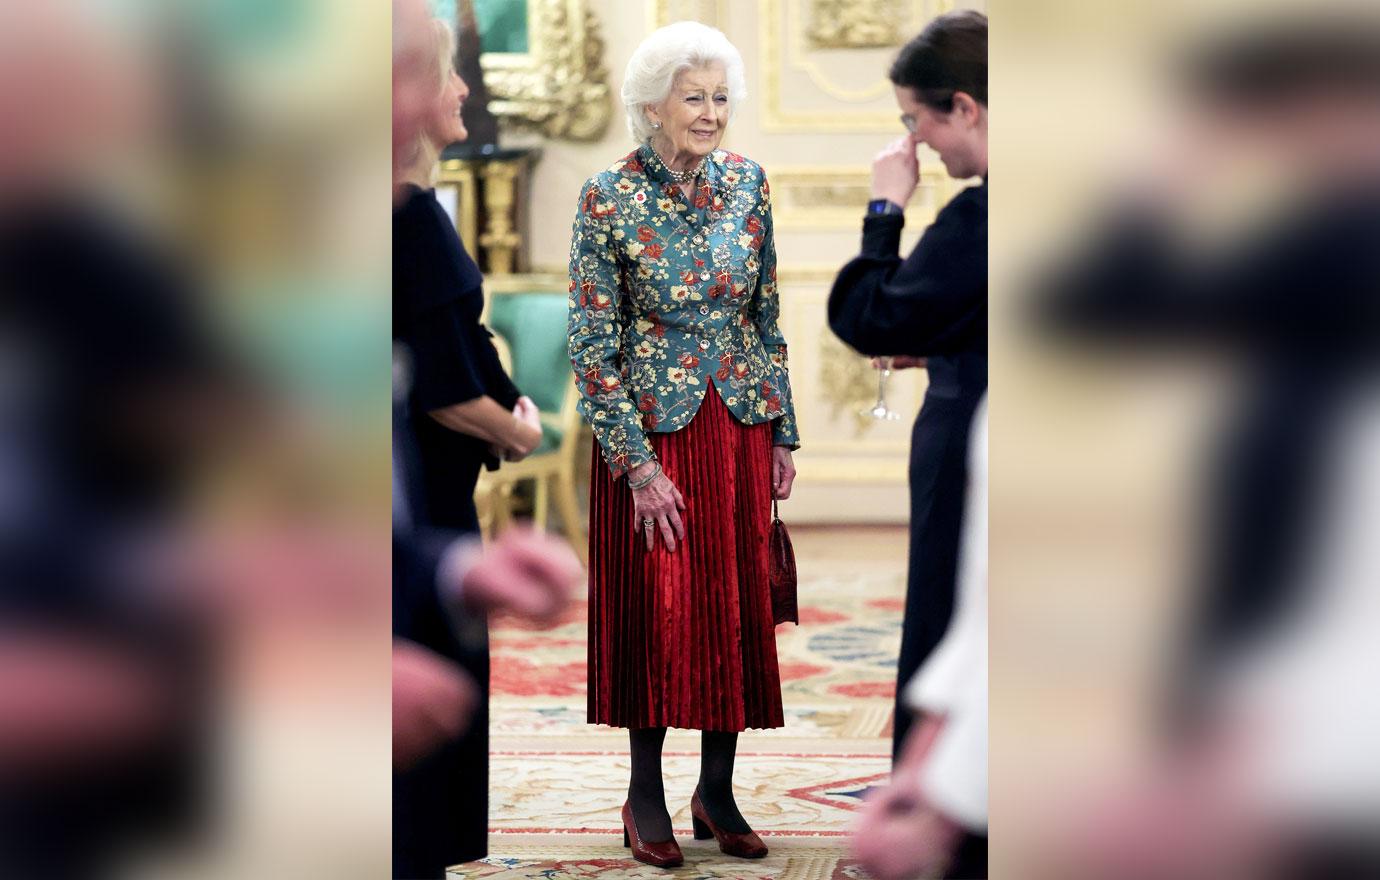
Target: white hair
<point x="667" y="52"/>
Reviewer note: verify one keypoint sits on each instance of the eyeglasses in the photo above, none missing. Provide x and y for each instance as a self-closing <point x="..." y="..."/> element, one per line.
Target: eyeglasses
<point x="909" y="122"/>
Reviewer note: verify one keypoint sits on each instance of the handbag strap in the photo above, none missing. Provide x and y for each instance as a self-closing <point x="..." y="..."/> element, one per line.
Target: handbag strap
<point x="775" y="511"/>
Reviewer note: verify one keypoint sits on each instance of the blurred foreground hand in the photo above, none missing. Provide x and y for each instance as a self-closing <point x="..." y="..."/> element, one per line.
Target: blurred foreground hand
<point x="899" y="835"/>
<point x="523" y="572"/>
<point x="433" y="702"/>
<point x="69" y="700"/>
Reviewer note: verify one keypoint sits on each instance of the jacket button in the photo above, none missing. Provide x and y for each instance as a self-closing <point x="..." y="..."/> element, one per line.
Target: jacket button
<point x="699" y="239"/>
<point x="704" y="310"/>
<point x="704" y="343"/>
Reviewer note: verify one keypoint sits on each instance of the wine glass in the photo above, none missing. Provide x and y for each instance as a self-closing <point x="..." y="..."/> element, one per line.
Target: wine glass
<point x="880" y="411"/>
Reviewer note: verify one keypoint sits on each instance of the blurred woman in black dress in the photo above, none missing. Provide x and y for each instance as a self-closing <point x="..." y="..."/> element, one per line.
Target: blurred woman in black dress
<point x="463" y="412"/>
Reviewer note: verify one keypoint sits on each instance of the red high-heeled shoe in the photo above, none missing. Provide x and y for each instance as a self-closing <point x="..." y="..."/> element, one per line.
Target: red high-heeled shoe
<point x="744" y="846"/>
<point x="662" y="854"/>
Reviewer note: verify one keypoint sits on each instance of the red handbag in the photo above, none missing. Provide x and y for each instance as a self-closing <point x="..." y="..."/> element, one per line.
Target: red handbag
<point x="783" y="580"/>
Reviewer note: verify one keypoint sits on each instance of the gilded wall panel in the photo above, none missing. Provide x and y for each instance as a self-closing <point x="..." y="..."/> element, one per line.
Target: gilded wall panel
<point x="848" y="24"/>
<point x="662" y="12"/>
<point x="835" y="197"/>
<point x="824" y="62"/>
<point x="803" y="84"/>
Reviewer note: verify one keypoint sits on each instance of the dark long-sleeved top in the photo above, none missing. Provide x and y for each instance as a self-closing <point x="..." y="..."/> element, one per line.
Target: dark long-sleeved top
<point x="931" y="304"/>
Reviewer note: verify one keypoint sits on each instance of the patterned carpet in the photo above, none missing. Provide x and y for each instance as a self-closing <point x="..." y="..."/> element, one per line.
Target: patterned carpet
<point x="557" y="783"/>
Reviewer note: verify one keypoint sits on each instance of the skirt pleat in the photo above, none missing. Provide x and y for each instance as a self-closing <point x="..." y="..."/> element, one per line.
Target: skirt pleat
<point x="686" y="639"/>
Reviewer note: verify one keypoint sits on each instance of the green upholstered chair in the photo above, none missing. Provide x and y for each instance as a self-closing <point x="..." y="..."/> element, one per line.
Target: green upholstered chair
<point x="532" y="328"/>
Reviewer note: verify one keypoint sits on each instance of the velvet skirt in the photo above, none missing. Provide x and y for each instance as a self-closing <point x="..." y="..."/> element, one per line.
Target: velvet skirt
<point x="686" y="639"/>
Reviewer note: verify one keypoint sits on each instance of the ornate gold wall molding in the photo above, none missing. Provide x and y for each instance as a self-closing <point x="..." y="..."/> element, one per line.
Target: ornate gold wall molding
<point x="854" y="24"/>
<point x="560" y="87"/>
<point x="798" y="51"/>
<point x="774" y="116"/>
<point x="662" y="12"/>
<point x="834" y="197"/>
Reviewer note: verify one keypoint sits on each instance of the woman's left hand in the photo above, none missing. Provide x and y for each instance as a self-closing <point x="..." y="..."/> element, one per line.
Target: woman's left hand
<point x="782" y="472"/>
<point x="526" y="413"/>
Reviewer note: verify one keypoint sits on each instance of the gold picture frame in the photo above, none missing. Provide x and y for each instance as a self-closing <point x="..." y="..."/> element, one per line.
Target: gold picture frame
<point x="560" y="85"/>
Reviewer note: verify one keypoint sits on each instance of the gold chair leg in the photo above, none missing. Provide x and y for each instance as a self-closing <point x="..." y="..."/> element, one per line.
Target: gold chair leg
<point x="540" y="502"/>
<point x="567" y="502"/>
<point x="484" y="508"/>
<point x="503" y="507"/>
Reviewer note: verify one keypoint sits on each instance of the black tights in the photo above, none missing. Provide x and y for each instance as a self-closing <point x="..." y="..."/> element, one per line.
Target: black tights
<point x="648" y="796"/>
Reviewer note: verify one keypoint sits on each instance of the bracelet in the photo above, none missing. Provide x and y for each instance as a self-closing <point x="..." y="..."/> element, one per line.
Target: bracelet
<point x="647" y="480"/>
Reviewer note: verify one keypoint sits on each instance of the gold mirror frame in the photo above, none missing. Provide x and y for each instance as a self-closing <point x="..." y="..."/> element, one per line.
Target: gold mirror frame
<point x="559" y="86"/>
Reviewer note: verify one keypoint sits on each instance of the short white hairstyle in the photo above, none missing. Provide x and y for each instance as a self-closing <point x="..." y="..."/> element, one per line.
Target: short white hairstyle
<point x="667" y="52"/>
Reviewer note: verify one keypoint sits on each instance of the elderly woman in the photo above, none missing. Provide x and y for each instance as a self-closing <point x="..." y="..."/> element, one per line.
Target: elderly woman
<point x="682" y="371"/>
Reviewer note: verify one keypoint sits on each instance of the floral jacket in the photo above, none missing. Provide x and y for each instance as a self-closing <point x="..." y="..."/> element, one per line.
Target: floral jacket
<point x="669" y="297"/>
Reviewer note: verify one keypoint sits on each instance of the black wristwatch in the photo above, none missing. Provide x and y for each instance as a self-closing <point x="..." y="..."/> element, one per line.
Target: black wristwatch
<point x="883" y="206"/>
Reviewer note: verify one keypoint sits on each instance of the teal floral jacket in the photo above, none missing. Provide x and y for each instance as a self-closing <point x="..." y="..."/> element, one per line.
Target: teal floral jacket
<point x="669" y="297"/>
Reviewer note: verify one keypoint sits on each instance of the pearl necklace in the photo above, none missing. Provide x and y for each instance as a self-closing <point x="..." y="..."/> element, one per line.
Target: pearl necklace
<point x="686" y="176"/>
<point x="682" y="176"/>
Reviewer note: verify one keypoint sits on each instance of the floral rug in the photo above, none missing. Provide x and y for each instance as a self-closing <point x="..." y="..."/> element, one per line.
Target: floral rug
<point x="557" y="783"/>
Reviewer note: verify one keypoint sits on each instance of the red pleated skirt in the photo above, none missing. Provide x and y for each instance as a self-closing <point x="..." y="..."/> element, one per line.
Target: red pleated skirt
<point x="686" y="639"/>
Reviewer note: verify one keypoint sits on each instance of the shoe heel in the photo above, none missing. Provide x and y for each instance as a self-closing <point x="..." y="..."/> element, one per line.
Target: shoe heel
<point x="702" y="831"/>
<point x="626" y="842"/>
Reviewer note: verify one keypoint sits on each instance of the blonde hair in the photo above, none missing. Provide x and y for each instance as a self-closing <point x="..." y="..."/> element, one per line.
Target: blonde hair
<point x="424" y="154"/>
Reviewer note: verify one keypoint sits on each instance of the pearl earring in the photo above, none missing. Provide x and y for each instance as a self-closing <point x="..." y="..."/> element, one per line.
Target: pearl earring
<point x="656" y="126"/>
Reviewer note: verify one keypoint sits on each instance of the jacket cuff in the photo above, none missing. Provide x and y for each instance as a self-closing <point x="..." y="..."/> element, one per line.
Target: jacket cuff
<point x="637" y="451"/>
<point x="783" y="432"/>
<point x="634" y="459"/>
<point x="882" y="235"/>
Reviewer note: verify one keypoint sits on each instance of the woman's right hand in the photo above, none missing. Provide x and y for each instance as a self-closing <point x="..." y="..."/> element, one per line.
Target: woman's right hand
<point x="661" y="503"/>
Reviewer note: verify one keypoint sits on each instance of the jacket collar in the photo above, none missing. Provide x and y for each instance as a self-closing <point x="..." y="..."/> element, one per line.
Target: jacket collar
<point x="658" y="172"/>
